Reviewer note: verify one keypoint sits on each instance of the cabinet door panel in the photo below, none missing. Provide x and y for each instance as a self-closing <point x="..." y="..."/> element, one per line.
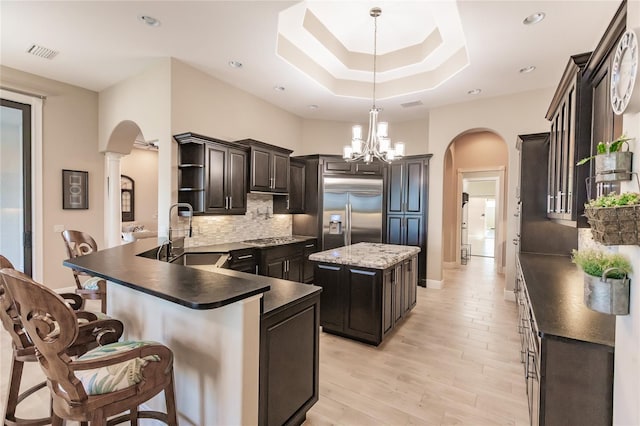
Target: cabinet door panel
<point x="237" y="180"/>
<point x="414" y="184"/>
<point x="387" y="301"/>
<point x="394" y="229"/>
<point x="363" y="306"/>
<point x="397" y="293"/>
<point x="216" y="178"/>
<point x="296" y="187"/>
<point x="260" y="170"/>
<point x="307" y="275"/>
<point x="275" y="268"/>
<point x="395" y="197"/>
<point x="331" y="298"/>
<point x="280" y="172"/>
<point x="295" y="266"/>
<point x="413" y="230"/>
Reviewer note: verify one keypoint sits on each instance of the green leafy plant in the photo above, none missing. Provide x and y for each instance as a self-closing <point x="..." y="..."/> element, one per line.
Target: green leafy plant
<point x="595" y="262"/>
<point x="616" y="200"/>
<point x="606" y="148"/>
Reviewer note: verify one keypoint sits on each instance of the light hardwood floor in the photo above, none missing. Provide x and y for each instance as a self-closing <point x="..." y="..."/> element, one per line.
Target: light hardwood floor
<point x="453" y="361"/>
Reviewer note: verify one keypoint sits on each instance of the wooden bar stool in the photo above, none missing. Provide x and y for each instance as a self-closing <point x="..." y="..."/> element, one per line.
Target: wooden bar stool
<point x="102" y="383"/>
<point x="92" y="331"/>
<point x="80" y="243"/>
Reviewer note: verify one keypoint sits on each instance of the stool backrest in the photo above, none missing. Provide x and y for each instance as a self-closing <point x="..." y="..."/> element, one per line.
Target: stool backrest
<point x="78" y="243"/>
<point x="52" y="327"/>
<point x="9" y="314"/>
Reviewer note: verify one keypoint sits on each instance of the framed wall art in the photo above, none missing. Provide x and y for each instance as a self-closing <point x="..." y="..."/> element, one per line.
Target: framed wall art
<point x="75" y="189"/>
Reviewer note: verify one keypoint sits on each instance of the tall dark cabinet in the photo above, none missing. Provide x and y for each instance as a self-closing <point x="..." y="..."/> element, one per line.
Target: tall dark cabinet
<point x="407" y="206"/>
<point x="537" y="233"/>
<point x="268" y="167"/>
<point x="212" y="174"/>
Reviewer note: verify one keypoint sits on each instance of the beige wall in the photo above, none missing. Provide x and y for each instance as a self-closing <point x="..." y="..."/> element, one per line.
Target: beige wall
<point x="329" y="137"/>
<point x="70" y="141"/>
<point x="507" y="116"/>
<point x="205" y="105"/>
<point x="141" y="165"/>
<point x="471" y="151"/>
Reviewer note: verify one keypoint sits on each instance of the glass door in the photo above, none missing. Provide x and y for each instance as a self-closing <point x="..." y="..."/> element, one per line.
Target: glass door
<point x="15" y="184"/>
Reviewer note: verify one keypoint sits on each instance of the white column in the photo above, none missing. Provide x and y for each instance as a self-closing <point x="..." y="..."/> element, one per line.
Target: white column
<point x="112" y="212"/>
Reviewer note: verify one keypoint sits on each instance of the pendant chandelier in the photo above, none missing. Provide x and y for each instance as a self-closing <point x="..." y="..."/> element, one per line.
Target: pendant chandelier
<point x="378" y="144"/>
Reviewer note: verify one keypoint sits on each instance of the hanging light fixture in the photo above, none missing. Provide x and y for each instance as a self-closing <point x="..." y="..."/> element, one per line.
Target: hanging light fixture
<point x="378" y="144"/>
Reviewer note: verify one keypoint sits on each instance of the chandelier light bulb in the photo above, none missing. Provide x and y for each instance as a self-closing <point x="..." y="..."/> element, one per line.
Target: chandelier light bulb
<point x="399" y="149"/>
<point x="357" y="132"/>
<point x="356" y="146"/>
<point x="383" y="129"/>
<point x="348" y="152"/>
<point x="385" y="144"/>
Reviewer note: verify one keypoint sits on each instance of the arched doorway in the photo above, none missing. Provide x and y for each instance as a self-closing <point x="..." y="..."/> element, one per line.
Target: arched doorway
<point x="120" y="143"/>
<point x="477" y="155"/>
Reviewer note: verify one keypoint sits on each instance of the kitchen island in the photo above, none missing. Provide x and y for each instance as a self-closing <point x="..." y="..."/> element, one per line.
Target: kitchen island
<point x="213" y="321"/>
<point x="367" y="288"/>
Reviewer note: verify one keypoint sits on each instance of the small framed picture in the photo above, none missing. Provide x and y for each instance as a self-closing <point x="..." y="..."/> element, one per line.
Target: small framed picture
<point x="75" y="189"/>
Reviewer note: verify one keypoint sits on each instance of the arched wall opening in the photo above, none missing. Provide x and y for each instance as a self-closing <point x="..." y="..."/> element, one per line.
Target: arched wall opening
<point x="121" y="142"/>
<point x="474" y="154"/>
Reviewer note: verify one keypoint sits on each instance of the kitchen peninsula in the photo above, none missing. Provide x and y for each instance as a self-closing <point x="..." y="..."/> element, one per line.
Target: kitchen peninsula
<point x="367" y="288"/>
<point x="214" y="321"/>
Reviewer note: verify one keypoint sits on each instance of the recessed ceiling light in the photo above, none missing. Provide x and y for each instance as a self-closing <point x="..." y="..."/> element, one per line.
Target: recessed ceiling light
<point x="235" y="64"/>
<point x="526" y="70"/>
<point x="149" y="20"/>
<point x="313" y="107"/>
<point x="278" y="88"/>
<point x="474" y="91"/>
<point x="534" y="18"/>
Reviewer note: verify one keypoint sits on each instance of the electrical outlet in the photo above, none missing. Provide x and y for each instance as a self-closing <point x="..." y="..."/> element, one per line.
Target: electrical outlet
<point x="58" y="228"/>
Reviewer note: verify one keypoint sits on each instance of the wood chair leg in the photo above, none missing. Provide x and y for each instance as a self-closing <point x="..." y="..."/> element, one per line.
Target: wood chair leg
<point x="103" y="305"/>
<point x="133" y="416"/>
<point x="56" y="421"/>
<point x="170" y="400"/>
<point x="14" y="389"/>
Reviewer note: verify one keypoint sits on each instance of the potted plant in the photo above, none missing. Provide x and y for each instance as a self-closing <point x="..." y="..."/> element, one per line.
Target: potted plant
<point x="606" y="282"/>
<point x="612" y="164"/>
<point x="615" y="218"/>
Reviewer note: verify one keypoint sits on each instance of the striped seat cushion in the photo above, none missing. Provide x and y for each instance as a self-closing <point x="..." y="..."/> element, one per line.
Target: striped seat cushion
<point x="117" y="376"/>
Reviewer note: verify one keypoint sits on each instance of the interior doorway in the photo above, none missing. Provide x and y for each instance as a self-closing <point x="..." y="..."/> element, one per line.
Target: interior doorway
<point x="15" y="184"/>
<point x="480" y="217"/>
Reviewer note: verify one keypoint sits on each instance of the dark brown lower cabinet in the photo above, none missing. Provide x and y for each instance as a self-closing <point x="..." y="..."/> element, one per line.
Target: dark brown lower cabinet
<point x="289" y="354"/>
<point x="363" y="303"/>
<point x="569" y="381"/>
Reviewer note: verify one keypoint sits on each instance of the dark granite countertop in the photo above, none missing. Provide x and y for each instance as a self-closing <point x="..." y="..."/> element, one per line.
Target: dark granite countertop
<point x="282" y="293"/>
<point x="188" y="286"/>
<point x="555" y="288"/>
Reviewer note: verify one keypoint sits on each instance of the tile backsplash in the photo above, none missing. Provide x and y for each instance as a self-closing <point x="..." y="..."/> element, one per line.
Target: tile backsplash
<point x="258" y="222"/>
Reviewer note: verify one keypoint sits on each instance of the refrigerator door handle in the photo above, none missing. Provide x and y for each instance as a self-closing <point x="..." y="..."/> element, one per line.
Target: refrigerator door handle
<point x="346" y="225"/>
<point x="349" y="223"/>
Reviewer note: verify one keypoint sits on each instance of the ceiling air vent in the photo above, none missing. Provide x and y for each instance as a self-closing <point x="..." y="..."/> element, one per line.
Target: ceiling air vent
<point x="42" y="52"/>
<point x="411" y="104"/>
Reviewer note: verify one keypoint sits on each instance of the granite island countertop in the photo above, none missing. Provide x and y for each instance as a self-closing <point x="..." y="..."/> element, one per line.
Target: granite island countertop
<point x="366" y="255"/>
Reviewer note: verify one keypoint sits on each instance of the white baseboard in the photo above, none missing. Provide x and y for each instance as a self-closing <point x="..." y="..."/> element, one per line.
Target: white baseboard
<point x="436" y="284"/>
<point x="509" y="295"/>
<point x="449" y="265"/>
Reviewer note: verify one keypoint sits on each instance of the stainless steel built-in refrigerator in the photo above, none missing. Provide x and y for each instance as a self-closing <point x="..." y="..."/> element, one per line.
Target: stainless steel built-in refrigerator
<point x="352" y="211"/>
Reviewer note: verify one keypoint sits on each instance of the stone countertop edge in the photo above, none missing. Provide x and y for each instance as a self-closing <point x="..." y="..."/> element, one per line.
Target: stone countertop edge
<point x="556" y="291"/>
<point x="195" y="289"/>
<point x="229" y="247"/>
<point x="366" y="255"/>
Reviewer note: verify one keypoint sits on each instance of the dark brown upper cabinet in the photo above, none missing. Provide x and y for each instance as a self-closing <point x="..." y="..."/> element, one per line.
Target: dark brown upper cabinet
<point x="212" y="174"/>
<point x="293" y="202"/>
<point x="570" y="140"/>
<point x="268" y="167"/>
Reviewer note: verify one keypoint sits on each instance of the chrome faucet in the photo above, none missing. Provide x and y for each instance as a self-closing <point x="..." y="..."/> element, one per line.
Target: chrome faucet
<point x="189" y="215"/>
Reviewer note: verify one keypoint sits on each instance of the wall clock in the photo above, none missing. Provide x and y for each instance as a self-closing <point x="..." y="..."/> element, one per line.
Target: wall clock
<point x="624" y="73"/>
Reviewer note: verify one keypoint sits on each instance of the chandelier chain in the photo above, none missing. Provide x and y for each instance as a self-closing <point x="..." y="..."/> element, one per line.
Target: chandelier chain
<point x="375" y="55"/>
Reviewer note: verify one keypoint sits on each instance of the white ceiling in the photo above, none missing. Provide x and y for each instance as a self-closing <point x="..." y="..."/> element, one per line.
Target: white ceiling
<point x="103" y="42"/>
